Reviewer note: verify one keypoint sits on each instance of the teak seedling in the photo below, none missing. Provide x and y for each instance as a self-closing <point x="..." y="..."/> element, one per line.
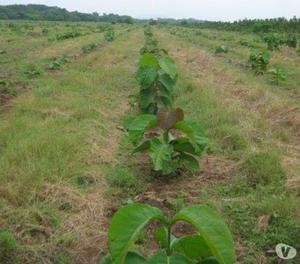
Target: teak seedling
<point x="170" y="141"/>
<point x="109" y="35"/>
<point x="57" y="62"/>
<point x="277" y="75"/>
<point x="151" y="44"/>
<point x="273" y="41"/>
<point x="221" y="49"/>
<point x="259" y="60"/>
<point x="291" y="41"/>
<point x="157" y="77"/>
<point x="88" y="48"/>
<point x="211" y="243"/>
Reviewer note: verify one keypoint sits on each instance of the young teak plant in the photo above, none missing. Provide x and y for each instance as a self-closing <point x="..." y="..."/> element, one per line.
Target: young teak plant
<point x="157" y="77"/>
<point x="212" y="242"/>
<point x="273" y="41"/>
<point x="291" y="41"/>
<point x="110" y="35"/>
<point x="221" y="49"/>
<point x="57" y="62"/>
<point x="33" y="71"/>
<point x="151" y="45"/>
<point x="171" y="142"/>
<point x="88" y="48"/>
<point x="259" y="61"/>
<point x="277" y="75"/>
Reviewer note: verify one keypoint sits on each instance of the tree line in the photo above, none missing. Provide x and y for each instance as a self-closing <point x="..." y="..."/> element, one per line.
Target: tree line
<point x="42" y="12"/>
<point x="249" y="25"/>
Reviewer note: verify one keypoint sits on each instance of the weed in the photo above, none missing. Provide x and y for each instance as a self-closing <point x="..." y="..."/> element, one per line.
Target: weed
<point x="6" y="87"/>
<point x="85" y="181"/>
<point x="245" y="43"/>
<point x="68" y="239"/>
<point x="62" y="259"/>
<point x="263" y="169"/>
<point x="88" y="48"/>
<point x="32" y="71"/>
<point x="263" y="222"/>
<point x="45" y="216"/>
<point x="8" y="244"/>
<point x="9" y="91"/>
<point x="122" y="177"/>
<point x="68" y="35"/>
<point x="45" y="31"/>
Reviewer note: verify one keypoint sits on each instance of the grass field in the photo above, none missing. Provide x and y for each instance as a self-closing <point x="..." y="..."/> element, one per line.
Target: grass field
<point x="67" y="94"/>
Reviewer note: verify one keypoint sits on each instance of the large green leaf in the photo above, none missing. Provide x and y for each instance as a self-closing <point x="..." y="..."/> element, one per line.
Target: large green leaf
<point x="161" y="156"/>
<point x="125" y="227"/>
<point x="169" y="66"/>
<point x="166" y="81"/>
<point x="163" y="91"/>
<point x="146" y="76"/>
<point x="194" y="133"/>
<point x="131" y="258"/>
<point x="163" y="101"/>
<point x="148" y="60"/>
<point x="183" y="144"/>
<point x="193" y="247"/>
<point x="212" y="229"/>
<point x="134" y="258"/>
<point x="140" y="125"/>
<point x="178" y="259"/>
<point x="189" y="162"/>
<point x="151" y="109"/>
<point x="162" y="258"/>
<point x="265" y="57"/>
<point x="147" y="97"/>
<point x="145" y="145"/>
<point x="209" y="260"/>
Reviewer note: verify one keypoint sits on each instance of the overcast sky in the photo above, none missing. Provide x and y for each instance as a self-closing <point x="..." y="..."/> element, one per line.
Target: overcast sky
<point x="200" y="9"/>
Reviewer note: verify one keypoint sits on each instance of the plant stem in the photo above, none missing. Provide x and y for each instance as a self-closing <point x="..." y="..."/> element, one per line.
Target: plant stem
<point x="169" y="241"/>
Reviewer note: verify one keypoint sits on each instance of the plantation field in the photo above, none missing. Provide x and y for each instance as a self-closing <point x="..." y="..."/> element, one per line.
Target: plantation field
<point x="68" y="94"/>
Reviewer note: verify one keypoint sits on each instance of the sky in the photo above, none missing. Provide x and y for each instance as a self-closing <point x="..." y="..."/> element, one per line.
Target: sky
<point x="220" y="10"/>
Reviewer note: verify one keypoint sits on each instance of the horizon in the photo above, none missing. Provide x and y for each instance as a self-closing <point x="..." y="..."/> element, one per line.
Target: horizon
<point x="162" y="9"/>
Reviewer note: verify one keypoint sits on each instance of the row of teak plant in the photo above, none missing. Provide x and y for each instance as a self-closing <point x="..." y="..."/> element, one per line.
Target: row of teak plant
<point x="171" y="143"/>
<point x="260" y="61"/>
<point x="274" y="41"/>
<point x="156" y="75"/>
